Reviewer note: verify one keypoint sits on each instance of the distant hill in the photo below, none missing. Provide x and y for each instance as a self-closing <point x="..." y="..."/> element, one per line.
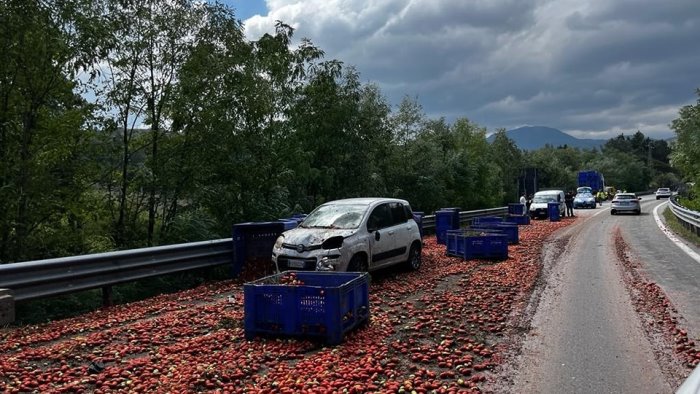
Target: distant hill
<point x="535" y="137"/>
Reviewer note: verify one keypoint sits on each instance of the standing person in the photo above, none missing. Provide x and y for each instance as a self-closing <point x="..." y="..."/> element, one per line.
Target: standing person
<point x="523" y="202"/>
<point x="528" y="203"/>
<point x="600" y="196"/>
<point x="569" y="201"/>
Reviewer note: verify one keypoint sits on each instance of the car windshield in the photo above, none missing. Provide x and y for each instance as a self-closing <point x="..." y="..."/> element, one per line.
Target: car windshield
<point x="663" y="189"/>
<point x="545" y="198"/>
<point x="584" y="189"/>
<point x="340" y="216"/>
<point x="584" y="195"/>
<point x="625" y="197"/>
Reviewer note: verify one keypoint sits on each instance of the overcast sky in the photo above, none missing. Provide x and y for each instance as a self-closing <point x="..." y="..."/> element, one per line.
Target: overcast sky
<point x="592" y="68"/>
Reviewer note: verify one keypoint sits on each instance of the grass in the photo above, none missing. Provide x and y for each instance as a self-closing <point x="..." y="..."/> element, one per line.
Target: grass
<point x="675" y="225"/>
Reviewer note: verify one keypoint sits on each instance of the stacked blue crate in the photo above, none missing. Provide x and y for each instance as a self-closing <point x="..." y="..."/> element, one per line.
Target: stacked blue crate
<point x="445" y="219"/>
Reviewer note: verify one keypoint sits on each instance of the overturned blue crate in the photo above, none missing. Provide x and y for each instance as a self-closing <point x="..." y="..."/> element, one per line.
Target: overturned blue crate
<point x="326" y="306"/>
<point x="487" y="219"/>
<point x="253" y="240"/>
<point x="510" y="230"/>
<point x="472" y="244"/>
<point x="289" y="223"/>
<point x="517" y="219"/>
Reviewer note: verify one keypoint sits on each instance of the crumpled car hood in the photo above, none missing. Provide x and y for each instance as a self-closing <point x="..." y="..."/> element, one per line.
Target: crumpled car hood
<point x="313" y="236"/>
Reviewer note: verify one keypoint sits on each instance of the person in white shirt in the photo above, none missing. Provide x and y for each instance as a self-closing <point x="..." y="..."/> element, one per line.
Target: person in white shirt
<point x="523" y="201"/>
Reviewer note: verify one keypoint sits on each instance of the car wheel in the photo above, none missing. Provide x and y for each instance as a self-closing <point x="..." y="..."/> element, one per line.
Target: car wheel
<point x="612" y="211"/>
<point x="657" y="198"/>
<point x="414" y="258"/>
<point x="638" y="212"/>
<point x="358" y="263"/>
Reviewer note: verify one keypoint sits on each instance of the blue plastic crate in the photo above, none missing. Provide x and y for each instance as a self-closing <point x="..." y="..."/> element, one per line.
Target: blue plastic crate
<point x="510" y="230"/>
<point x="553" y="211"/>
<point x="517" y="219"/>
<point x="418" y="217"/>
<point x="516" y="209"/>
<point x="327" y="305"/>
<point x="487" y="219"/>
<point x="253" y="240"/>
<point x="289" y="223"/>
<point x="471" y="244"/>
<point x="445" y="220"/>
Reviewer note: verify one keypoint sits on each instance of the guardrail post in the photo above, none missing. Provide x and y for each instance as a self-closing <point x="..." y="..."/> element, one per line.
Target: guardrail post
<point x="107" y="296"/>
<point x="7" y="307"/>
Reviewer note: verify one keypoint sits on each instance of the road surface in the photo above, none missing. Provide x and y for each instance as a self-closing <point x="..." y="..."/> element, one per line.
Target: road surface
<point x="586" y="336"/>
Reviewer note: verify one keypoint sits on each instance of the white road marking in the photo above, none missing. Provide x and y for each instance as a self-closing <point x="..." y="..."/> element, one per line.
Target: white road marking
<point x="690" y="252"/>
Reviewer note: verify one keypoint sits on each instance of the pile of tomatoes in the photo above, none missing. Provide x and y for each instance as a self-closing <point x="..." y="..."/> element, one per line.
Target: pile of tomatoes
<point x="442" y="328"/>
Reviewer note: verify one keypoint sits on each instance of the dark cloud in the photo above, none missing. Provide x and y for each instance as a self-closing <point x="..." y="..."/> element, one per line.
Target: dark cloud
<point x="589" y="67"/>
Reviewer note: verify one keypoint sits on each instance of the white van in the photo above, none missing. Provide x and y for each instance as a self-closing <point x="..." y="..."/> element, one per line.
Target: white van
<point x="538" y="208"/>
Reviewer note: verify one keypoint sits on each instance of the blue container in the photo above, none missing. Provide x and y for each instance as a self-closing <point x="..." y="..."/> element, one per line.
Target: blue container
<point x="418" y="217"/>
<point x="445" y="220"/>
<point x="487" y="219"/>
<point x="553" y="211"/>
<point x="516" y="209"/>
<point x="253" y="240"/>
<point x="289" y="223"/>
<point x="510" y="230"/>
<point x="517" y="219"/>
<point x="471" y="244"/>
<point x="327" y="305"/>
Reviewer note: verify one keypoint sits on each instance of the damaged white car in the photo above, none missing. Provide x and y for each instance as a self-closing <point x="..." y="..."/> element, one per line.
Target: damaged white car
<point x="357" y="234"/>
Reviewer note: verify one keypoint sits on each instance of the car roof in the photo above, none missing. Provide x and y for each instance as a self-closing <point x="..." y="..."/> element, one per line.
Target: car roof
<point x="365" y="201"/>
<point x="541" y="192"/>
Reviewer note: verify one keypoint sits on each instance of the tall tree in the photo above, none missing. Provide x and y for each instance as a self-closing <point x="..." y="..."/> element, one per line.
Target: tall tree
<point x="685" y="154"/>
<point x="42" y="124"/>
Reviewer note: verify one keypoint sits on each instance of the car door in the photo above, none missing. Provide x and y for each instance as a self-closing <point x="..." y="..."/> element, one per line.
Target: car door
<point x="381" y="240"/>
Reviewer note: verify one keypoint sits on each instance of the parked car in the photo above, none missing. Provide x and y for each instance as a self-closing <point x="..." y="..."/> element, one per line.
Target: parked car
<point x="538" y="207"/>
<point x="584" y="200"/>
<point x="356" y="234"/>
<point x="663" y="192"/>
<point x="626" y="202"/>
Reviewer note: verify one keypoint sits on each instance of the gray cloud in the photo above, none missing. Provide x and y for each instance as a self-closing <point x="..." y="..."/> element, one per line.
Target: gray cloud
<point x="591" y="68"/>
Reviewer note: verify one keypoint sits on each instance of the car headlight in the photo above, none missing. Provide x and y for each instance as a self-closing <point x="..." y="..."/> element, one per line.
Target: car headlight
<point x="328" y="263"/>
<point x="278" y="243"/>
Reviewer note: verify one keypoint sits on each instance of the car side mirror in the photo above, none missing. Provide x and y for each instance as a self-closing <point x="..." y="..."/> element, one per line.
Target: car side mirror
<point x="377" y="236"/>
<point x="639" y="198"/>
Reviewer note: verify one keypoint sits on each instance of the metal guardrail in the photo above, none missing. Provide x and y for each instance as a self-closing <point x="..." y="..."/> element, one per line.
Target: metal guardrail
<point x="690" y="219"/>
<point x="42" y="278"/>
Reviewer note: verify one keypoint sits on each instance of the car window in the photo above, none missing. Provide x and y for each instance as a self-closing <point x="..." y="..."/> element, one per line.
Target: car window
<point x="398" y="214"/>
<point x="341" y="216"/>
<point x="380" y="217"/>
<point x="625" y="197"/>
<point x="409" y="213"/>
<point x="545" y="198"/>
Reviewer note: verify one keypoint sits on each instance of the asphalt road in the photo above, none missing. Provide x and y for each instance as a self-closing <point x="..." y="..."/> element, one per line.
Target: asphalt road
<point x="585" y="335"/>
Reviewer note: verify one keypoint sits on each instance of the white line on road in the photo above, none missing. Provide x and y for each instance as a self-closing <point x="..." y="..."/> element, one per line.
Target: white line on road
<point x="690" y="252"/>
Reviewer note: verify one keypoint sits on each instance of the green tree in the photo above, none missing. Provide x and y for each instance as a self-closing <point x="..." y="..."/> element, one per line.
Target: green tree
<point x="509" y="159"/>
<point x="43" y="134"/>
<point x="685" y="154"/>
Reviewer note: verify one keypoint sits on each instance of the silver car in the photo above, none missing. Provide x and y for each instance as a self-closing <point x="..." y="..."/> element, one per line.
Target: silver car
<point x="356" y="234"/>
<point x="663" y="192"/>
<point x="584" y="200"/>
<point x="626" y="202"/>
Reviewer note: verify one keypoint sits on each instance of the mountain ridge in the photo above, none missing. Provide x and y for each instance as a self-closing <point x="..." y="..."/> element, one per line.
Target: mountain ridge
<point x="536" y="137"/>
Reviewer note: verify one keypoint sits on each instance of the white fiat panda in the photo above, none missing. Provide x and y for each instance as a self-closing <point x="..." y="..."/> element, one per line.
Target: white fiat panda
<point x="356" y="234"/>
